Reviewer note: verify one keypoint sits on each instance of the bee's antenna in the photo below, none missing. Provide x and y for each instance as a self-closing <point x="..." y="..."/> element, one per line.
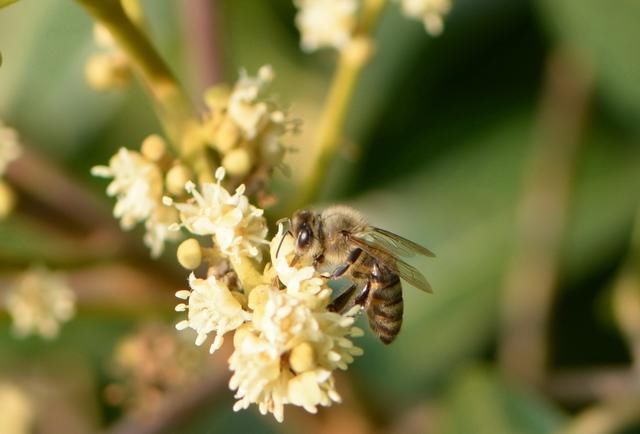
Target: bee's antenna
<point x="279" y="222"/>
<point x="281" y="240"/>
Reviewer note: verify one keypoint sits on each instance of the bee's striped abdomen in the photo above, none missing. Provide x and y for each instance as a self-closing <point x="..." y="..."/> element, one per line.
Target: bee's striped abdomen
<point x="384" y="305"/>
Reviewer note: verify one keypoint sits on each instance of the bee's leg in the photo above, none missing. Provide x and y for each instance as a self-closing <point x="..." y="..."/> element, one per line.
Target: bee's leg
<point x="361" y="299"/>
<point x="340" y="303"/>
<point x="341" y="269"/>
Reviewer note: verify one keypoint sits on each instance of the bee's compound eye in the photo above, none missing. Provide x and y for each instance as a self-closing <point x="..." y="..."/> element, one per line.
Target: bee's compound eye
<point x="304" y="237"/>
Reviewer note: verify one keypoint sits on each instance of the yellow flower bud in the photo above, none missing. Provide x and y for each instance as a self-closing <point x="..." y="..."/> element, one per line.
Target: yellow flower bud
<point x="227" y="136"/>
<point x="216" y="97"/>
<point x="7" y="199"/>
<point x="107" y="71"/>
<point x="153" y="147"/>
<point x="189" y="254"/>
<point x="302" y="358"/>
<point x="176" y="179"/>
<point x="237" y="162"/>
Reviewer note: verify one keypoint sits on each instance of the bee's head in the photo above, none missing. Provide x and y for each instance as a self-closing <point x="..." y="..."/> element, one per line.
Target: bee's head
<point x="306" y="230"/>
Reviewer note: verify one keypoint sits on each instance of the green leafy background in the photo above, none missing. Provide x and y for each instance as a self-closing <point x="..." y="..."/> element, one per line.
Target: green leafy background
<point x="443" y="129"/>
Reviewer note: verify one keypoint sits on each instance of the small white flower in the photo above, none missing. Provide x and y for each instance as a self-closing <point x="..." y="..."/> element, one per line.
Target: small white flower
<point x="245" y="108"/>
<point x="39" y="302"/>
<point x="16" y="410"/>
<point x="212" y="308"/>
<point x="137" y="186"/>
<point x="9" y="147"/>
<point x="325" y="23"/>
<point x="238" y="228"/>
<point x="430" y="12"/>
<point x="159" y="229"/>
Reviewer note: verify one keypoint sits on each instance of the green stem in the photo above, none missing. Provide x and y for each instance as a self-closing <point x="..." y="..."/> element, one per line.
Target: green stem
<point x="352" y="61"/>
<point x="176" y="113"/>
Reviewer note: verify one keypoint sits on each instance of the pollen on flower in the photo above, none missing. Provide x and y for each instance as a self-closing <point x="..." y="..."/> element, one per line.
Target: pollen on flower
<point x="430" y="12"/>
<point x="212" y="308"/>
<point x="326" y="23"/>
<point x="39" y="302"/>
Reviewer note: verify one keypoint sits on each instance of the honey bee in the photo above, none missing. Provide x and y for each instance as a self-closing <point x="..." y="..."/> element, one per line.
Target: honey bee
<point x="339" y="238"/>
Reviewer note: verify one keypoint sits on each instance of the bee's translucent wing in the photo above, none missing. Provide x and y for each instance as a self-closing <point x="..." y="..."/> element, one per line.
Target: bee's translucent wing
<point x="389" y="259"/>
<point x="395" y="244"/>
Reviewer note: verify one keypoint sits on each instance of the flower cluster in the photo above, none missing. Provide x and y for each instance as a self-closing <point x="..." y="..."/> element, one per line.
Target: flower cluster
<point x="138" y="185"/>
<point x="9" y="151"/>
<point x="151" y="363"/>
<point x="245" y="131"/>
<point x="430" y="12"/>
<point x="246" y="128"/>
<point x="332" y="23"/>
<point x="237" y="227"/>
<point x="326" y="23"/>
<point x="286" y="343"/>
<point x="39" y="302"/>
<point x="109" y="68"/>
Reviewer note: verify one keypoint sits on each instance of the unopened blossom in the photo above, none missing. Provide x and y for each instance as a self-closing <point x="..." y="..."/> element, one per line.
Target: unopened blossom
<point x="326" y="23"/>
<point x="212" y="308"/>
<point x="430" y="12"/>
<point x="136" y="185"/>
<point x="39" y="302"/>
<point x="16" y="410"/>
<point x="238" y="228"/>
<point x="9" y="147"/>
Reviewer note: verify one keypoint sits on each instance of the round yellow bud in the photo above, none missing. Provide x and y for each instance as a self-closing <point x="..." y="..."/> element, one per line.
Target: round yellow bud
<point x="153" y="147"/>
<point x="176" y="179"/>
<point x="237" y="162"/>
<point x="107" y="71"/>
<point x="302" y="358"/>
<point x="189" y="254"/>
<point x="7" y="200"/>
<point x="227" y="136"/>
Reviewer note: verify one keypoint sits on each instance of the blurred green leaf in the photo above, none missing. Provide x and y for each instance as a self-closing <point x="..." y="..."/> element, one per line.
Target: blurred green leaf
<point x="607" y="34"/>
<point x="463" y="209"/>
<point x="24" y="242"/>
<point x="480" y="402"/>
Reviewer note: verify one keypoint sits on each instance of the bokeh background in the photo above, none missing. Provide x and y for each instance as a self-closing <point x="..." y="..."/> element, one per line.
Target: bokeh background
<point x="509" y="145"/>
